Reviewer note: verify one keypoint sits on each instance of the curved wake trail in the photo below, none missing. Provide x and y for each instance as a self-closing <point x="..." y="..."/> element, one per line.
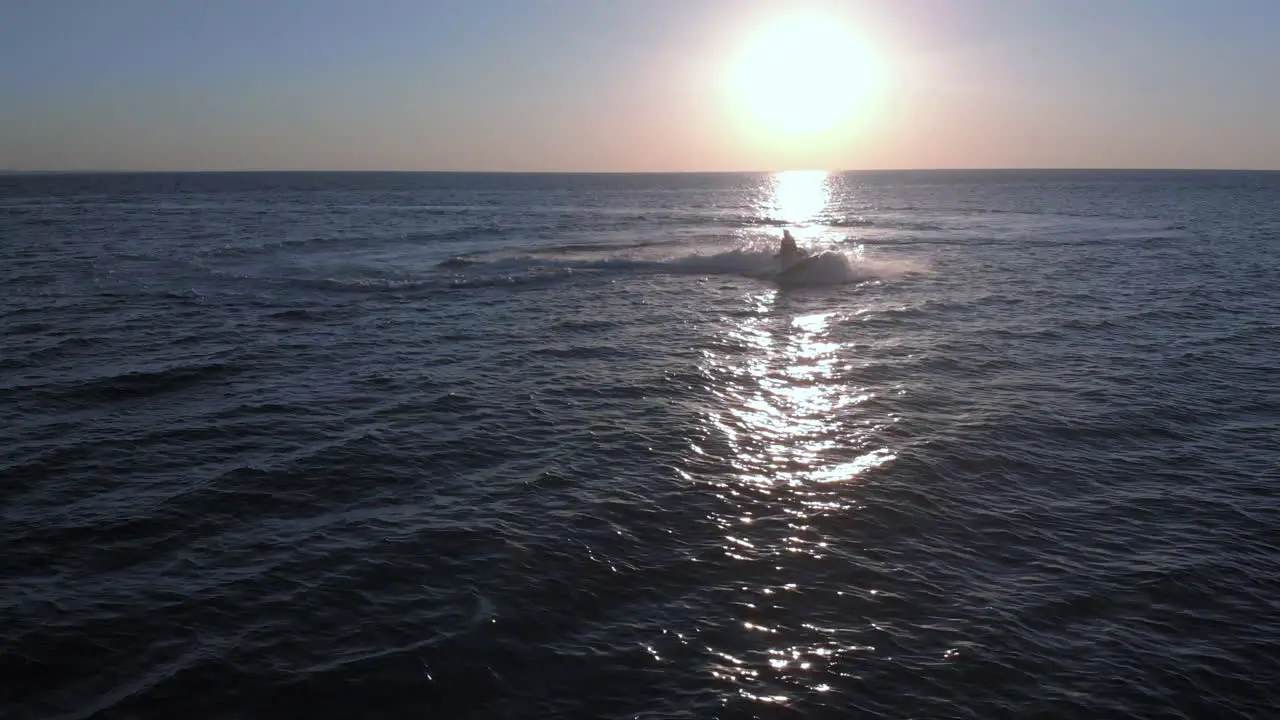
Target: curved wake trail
<point x="824" y="268"/>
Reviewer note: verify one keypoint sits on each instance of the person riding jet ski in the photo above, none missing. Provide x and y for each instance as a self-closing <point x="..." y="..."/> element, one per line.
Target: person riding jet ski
<point x="789" y="252"/>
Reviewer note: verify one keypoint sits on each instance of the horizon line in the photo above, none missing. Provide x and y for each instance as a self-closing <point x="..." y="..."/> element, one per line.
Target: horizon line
<point x="110" y="171"/>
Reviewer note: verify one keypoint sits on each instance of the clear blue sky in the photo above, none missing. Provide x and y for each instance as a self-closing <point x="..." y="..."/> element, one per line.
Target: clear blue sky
<point x="636" y="84"/>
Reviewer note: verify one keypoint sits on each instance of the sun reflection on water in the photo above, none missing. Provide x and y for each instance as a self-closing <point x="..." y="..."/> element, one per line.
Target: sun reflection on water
<point x="783" y="421"/>
<point x="799" y="197"/>
<point x="793" y="434"/>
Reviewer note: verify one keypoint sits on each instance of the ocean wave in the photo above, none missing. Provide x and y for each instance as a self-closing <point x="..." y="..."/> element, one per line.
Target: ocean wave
<point x="138" y="384"/>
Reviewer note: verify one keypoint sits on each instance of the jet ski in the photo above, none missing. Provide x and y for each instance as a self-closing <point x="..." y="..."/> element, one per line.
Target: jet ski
<point x="796" y="269"/>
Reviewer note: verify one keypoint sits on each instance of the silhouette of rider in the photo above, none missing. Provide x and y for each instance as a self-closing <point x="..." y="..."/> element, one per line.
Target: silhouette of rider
<point x="789" y="249"/>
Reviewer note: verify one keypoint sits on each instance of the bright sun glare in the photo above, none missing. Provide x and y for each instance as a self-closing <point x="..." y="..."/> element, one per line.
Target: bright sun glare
<point x="804" y="75"/>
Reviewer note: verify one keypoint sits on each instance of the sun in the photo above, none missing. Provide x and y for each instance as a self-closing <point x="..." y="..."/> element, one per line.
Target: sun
<point x="803" y="75"/>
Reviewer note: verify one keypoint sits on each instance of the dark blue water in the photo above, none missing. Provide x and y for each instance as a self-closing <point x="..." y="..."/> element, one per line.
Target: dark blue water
<point x="507" y="446"/>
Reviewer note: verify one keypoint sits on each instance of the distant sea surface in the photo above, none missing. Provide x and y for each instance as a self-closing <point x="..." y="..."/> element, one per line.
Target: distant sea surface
<point x="547" y="446"/>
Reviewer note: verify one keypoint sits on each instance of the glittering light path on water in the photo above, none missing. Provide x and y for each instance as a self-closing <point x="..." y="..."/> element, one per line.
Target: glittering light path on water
<point x="792" y="436"/>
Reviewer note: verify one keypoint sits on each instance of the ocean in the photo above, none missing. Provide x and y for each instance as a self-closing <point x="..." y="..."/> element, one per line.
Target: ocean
<point x="348" y="445"/>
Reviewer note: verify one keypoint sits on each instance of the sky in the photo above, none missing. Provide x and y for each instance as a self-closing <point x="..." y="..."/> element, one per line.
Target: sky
<point x="638" y="85"/>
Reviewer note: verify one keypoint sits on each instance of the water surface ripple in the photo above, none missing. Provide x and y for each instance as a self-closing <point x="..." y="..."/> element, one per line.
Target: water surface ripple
<point x="499" y="446"/>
